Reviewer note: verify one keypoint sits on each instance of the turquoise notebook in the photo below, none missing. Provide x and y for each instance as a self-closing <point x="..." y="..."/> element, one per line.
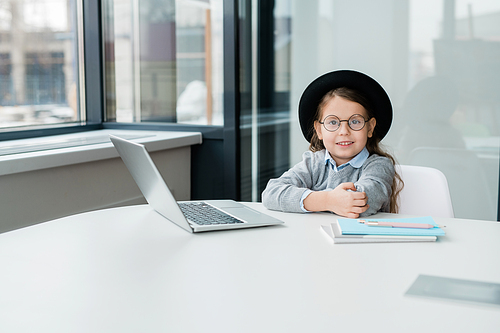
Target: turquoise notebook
<point x="353" y="227"/>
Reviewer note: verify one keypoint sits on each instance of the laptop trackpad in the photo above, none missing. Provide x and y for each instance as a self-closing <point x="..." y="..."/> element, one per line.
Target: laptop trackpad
<point x="224" y="204"/>
<point x="243" y="212"/>
<point x="248" y="214"/>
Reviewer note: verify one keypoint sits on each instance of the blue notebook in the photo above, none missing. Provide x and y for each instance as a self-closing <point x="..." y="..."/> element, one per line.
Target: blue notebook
<point x="353" y="227"/>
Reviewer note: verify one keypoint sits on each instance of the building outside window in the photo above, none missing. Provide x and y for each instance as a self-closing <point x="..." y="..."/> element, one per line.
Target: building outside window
<point x="164" y="61"/>
<point x="6" y="82"/>
<point x="39" y="66"/>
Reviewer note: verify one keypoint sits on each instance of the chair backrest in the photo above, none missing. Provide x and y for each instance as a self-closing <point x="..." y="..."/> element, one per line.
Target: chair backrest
<point x="425" y="192"/>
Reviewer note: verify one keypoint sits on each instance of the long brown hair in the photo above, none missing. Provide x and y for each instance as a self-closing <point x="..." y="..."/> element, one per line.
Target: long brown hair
<point x="373" y="144"/>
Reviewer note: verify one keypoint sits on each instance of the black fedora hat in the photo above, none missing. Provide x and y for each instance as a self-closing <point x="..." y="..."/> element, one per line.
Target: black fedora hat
<point x="371" y="89"/>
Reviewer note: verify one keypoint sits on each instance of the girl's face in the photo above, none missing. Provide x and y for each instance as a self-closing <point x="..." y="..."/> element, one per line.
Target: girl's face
<point x="344" y="143"/>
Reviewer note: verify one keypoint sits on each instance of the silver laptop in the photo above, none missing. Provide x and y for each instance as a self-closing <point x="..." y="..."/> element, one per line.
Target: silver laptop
<point x="193" y="216"/>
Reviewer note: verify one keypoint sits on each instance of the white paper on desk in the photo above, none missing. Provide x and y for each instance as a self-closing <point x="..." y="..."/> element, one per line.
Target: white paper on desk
<point x="327" y="230"/>
<point x="333" y="232"/>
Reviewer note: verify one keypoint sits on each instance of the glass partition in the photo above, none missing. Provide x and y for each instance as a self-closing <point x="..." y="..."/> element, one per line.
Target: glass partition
<point x="438" y="60"/>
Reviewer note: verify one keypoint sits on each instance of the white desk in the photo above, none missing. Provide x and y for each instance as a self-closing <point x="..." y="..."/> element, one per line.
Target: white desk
<point x="129" y="270"/>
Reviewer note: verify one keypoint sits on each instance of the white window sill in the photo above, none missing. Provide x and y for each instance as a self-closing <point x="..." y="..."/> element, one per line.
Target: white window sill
<point x="85" y="150"/>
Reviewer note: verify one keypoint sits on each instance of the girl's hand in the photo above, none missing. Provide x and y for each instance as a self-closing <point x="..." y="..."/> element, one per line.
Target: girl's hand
<point x="343" y="200"/>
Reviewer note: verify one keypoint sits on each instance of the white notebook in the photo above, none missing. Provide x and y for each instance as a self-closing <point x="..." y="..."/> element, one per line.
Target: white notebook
<point x="333" y="232"/>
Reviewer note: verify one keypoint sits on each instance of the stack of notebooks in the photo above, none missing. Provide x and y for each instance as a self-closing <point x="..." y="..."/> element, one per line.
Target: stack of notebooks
<point x="374" y="231"/>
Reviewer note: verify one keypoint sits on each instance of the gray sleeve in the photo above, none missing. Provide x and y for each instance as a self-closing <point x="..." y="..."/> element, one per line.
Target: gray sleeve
<point x="376" y="181"/>
<point x="284" y="193"/>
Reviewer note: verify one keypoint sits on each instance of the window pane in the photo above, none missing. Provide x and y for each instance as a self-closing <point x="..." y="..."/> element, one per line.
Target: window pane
<point x="164" y="61"/>
<point x="38" y="63"/>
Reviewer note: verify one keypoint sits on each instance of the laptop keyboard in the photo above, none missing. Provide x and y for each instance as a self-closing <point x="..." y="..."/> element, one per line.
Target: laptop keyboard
<point x="204" y="214"/>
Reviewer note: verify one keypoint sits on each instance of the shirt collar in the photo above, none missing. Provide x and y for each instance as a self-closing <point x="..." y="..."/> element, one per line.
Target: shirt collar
<point x="356" y="162"/>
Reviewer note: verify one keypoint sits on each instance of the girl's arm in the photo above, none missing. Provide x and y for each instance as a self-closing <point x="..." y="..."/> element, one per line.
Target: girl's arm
<point x="344" y="200"/>
<point x="284" y="193"/>
<point x="376" y="180"/>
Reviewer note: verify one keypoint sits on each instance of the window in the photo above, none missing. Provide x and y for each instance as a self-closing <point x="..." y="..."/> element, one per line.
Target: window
<point x="164" y="61"/>
<point x="39" y="66"/>
<point x="160" y="63"/>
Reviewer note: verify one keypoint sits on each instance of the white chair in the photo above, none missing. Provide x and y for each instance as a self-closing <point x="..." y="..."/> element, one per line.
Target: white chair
<point x="425" y="192"/>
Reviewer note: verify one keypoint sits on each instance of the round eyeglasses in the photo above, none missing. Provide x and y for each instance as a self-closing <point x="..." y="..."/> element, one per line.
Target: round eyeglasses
<point x="332" y="123"/>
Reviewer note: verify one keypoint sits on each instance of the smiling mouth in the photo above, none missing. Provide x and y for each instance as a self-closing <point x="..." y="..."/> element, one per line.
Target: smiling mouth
<point x="345" y="143"/>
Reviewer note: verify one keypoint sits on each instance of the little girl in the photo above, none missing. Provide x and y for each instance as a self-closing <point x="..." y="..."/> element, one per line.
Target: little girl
<point x="344" y="115"/>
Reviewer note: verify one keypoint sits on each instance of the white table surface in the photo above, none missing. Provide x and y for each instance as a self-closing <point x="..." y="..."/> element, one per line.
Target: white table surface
<point x="130" y="270"/>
